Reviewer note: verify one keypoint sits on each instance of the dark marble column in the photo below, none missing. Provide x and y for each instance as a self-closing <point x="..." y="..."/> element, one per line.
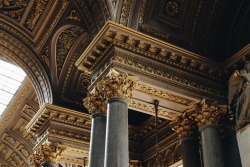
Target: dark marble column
<point x="188" y="134"/>
<point x="116" y="151"/>
<point x="231" y="150"/>
<point x="190" y="152"/>
<point x="211" y="146"/>
<point x="207" y="116"/>
<point x="97" y="140"/>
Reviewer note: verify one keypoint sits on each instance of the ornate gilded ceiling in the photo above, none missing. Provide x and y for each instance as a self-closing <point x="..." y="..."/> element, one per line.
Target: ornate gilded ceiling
<point x="46" y="37"/>
<point x="57" y="32"/>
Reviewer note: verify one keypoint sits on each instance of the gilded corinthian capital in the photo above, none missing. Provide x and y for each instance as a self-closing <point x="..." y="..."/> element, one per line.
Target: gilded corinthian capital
<point x="114" y="84"/>
<point x="117" y="84"/>
<point x="48" y="152"/>
<point x="184" y="126"/>
<point x="205" y="113"/>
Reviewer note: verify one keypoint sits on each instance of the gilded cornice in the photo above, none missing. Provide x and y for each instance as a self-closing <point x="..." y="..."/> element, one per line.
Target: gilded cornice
<point x="113" y="34"/>
<point x="205" y="113"/>
<point x="163" y="94"/>
<point x="50" y="112"/>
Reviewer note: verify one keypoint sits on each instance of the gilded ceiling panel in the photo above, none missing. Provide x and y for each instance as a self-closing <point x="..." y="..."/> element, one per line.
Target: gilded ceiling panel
<point x="64" y="44"/>
<point x="13" y="9"/>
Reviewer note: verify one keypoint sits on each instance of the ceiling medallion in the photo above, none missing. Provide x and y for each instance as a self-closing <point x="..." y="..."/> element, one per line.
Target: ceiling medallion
<point x="172" y="8"/>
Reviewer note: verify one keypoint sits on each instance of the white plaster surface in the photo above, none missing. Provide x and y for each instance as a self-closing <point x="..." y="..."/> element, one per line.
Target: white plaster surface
<point x="243" y="137"/>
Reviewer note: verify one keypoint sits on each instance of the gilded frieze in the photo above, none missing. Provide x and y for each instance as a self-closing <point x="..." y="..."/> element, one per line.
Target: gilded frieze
<point x="35" y="13"/>
<point x="13" y="9"/>
<point x="137" y="105"/>
<point x="64" y="44"/>
<point x="163" y="94"/>
<point x="125" y="13"/>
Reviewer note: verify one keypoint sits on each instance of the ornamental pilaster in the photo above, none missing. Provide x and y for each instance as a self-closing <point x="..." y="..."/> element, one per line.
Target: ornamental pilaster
<point x="205" y="113"/>
<point x="49" y="152"/>
<point x="184" y="126"/>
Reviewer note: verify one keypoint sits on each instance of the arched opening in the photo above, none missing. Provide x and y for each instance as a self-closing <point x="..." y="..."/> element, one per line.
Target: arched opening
<point x="13" y="50"/>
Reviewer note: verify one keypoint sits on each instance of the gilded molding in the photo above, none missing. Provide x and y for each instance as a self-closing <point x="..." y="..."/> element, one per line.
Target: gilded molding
<point x="35" y="13"/>
<point x="15" y="9"/>
<point x="48" y="152"/>
<point x="50" y="112"/>
<point x="163" y="94"/>
<point x="45" y="36"/>
<point x="125" y="38"/>
<point x="124" y="19"/>
<point x="64" y="43"/>
<point x="205" y="113"/>
<point x="150" y="109"/>
<point x="21" y="55"/>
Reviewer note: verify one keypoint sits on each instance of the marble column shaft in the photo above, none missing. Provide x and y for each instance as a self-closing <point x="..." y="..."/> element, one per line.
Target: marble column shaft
<point x="231" y="150"/>
<point x="97" y="140"/>
<point x="116" y="148"/>
<point x="190" y="152"/>
<point x="211" y="146"/>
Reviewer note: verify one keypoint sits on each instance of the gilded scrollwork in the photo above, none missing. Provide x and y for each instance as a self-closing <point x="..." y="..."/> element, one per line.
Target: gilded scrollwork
<point x="13" y="9"/>
<point x="184" y="126"/>
<point x="64" y="43"/>
<point x="125" y="12"/>
<point x="163" y="94"/>
<point x="114" y="84"/>
<point x="205" y="113"/>
<point x="48" y="152"/>
<point x="35" y="13"/>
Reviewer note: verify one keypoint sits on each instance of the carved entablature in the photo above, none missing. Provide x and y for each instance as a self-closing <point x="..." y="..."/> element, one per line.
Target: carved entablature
<point x="120" y="46"/>
<point x="60" y="123"/>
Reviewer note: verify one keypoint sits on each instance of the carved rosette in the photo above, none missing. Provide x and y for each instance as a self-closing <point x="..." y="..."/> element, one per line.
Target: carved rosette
<point x="48" y="152"/>
<point x="184" y="126"/>
<point x="114" y="84"/>
<point x="205" y="113"/>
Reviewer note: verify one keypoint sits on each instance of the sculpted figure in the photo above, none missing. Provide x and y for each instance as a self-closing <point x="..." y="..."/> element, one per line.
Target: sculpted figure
<point x="239" y="95"/>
